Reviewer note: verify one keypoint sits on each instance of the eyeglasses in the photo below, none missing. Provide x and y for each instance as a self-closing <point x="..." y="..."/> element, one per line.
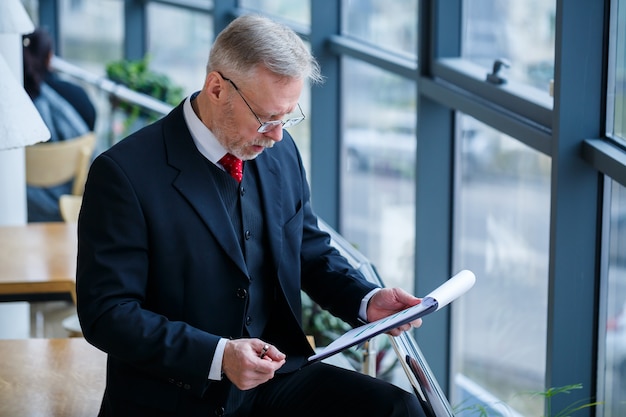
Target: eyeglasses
<point x="265" y="127"/>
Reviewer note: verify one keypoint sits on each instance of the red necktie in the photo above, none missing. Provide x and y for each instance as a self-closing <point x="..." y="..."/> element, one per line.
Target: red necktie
<point x="232" y="165"/>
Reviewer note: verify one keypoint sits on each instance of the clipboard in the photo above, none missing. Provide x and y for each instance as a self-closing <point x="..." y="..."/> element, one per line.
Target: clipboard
<point x="437" y="299"/>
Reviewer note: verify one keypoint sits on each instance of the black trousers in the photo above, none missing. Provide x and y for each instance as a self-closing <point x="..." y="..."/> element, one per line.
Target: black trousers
<point x="325" y="390"/>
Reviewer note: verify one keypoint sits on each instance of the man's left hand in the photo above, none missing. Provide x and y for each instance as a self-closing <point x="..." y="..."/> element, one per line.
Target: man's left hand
<point x="388" y="301"/>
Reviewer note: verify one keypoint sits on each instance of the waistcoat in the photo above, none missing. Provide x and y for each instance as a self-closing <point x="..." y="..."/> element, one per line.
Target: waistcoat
<point x="245" y="209"/>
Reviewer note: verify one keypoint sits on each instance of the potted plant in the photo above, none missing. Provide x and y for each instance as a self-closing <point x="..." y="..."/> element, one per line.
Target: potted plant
<point x="325" y="328"/>
<point x="137" y="76"/>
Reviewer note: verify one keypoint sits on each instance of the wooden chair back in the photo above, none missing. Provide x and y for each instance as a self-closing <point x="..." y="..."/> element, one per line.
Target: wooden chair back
<point x="69" y="205"/>
<point x="54" y="163"/>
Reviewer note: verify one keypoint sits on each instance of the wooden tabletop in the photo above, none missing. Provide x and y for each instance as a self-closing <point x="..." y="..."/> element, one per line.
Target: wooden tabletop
<point x="38" y="261"/>
<point x="51" y="378"/>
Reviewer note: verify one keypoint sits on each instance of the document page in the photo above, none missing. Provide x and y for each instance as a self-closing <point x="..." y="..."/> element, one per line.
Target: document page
<point x="434" y="301"/>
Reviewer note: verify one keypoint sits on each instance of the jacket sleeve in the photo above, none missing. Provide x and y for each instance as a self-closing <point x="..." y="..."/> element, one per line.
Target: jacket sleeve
<point x="112" y="285"/>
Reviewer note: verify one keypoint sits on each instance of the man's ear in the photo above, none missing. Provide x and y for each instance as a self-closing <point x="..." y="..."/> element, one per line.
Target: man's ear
<point x="215" y="86"/>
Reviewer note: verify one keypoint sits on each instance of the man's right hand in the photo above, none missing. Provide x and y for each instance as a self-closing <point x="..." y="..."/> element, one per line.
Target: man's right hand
<point x="243" y="365"/>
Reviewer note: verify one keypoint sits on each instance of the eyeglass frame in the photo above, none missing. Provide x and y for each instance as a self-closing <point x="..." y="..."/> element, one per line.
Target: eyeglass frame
<point x="265" y="127"/>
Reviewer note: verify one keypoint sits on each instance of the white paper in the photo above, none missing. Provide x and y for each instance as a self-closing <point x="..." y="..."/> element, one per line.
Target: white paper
<point x="440" y="297"/>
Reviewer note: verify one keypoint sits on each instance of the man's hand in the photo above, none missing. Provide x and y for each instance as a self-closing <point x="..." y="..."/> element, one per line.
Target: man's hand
<point x="243" y="365"/>
<point x="389" y="301"/>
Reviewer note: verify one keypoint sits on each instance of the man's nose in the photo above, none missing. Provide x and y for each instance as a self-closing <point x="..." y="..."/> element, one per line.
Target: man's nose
<point x="275" y="134"/>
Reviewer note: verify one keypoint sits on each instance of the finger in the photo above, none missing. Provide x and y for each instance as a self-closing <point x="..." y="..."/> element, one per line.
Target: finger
<point x="264" y="350"/>
<point x="405" y="297"/>
<point x="416" y="323"/>
<point x="272" y="354"/>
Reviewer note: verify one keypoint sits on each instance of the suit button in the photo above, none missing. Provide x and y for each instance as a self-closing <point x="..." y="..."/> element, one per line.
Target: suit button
<point x="242" y="293"/>
<point x="187" y="386"/>
<point x="219" y="411"/>
<point x="247" y="235"/>
<point x="248" y="320"/>
<point x="242" y="191"/>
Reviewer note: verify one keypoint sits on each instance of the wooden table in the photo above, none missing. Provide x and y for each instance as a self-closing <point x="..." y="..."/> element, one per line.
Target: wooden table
<point x="50" y="378"/>
<point x="38" y="262"/>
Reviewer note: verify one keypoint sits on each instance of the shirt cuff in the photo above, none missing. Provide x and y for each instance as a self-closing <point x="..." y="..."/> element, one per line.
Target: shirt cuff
<point x="364" y="301"/>
<point x="215" y="373"/>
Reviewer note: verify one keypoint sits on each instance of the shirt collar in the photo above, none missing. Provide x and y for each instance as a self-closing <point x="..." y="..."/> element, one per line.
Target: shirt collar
<point x="205" y="140"/>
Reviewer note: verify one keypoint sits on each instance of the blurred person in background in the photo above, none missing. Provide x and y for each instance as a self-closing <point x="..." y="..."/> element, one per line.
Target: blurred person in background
<point x="38" y="78"/>
<point x="65" y="108"/>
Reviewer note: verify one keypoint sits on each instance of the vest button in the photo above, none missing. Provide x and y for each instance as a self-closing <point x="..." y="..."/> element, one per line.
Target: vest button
<point x="248" y="320"/>
<point x="247" y="235"/>
<point x="242" y="191"/>
<point x="242" y="293"/>
<point x="219" y="411"/>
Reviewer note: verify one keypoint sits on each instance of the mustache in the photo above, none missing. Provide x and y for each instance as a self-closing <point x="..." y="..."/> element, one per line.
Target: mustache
<point x="264" y="143"/>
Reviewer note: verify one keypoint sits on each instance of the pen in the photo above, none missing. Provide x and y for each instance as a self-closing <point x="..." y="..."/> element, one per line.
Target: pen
<point x="264" y="351"/>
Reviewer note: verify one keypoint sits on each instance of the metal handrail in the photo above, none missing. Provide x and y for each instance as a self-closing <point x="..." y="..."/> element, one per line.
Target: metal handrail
<point x="115" y="90"/>
<point x="415" y="366"/>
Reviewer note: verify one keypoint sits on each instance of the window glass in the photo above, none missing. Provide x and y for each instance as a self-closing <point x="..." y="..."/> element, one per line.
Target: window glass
<point x="378" y="169"/>
<point x="301" y="132"/>
<point x="83" y="43"/>
<point x="617" y="72"/>
<point x="296" y="10"/>
<point x="521" y="32"/>
<point x="82" y="40"/>
<point x="613" y="379"/>
<point x="501" y="233"/>
<point x="387" y="24"/>
<point x="179" y="42"/>
<point x="32" y="9"/>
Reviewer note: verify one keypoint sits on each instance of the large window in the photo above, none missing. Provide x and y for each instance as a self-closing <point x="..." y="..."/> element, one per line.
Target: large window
<point x="514" y="197"/>
<point x="82" y="40"/>
<point x="612" y="380"/>
<point x="179" y="41"/>
<point x="616" y="115"/>
<point x="520" y="32"/>
<point x="378" y="169"/>
<point x="612" y="337"/>
<point x="295" y="10"/>
<point x="387" y="24"/>
<point x="502" y="211"/>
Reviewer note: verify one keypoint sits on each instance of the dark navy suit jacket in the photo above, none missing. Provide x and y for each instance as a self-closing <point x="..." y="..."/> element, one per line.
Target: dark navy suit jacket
<point x="160" y="270"/>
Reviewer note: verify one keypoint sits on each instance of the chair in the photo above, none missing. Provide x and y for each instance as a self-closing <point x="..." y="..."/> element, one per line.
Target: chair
<point x="70" y="207"/>
<point x="55" y="163"/>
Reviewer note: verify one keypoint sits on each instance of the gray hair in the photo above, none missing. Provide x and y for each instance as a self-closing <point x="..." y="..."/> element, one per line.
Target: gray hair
<point x="250" y="42"/>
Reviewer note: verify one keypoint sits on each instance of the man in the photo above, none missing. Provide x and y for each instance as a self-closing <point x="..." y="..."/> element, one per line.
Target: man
<point x="190" y="280"/>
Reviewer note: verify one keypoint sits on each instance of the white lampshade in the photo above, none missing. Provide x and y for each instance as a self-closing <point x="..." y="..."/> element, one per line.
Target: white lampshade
<point x="20" y="122"/>
<point x="14" y="19"/>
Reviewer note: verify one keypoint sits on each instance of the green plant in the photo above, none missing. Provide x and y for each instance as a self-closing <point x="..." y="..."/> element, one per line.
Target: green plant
<point x="567" y="411"/>
<point x="482" y="411"/>
<point x="324" y="327"/>
<point x="137" y="76"/>
<point x="319" y="323"/>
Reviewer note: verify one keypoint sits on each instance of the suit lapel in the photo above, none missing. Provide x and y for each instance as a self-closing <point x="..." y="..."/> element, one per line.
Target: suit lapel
<point x="270" y="183"/>
<point x="195" y="183"/>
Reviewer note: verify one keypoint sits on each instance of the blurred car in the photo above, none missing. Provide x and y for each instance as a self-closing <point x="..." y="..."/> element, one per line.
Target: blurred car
<point x="386" y="152"/>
